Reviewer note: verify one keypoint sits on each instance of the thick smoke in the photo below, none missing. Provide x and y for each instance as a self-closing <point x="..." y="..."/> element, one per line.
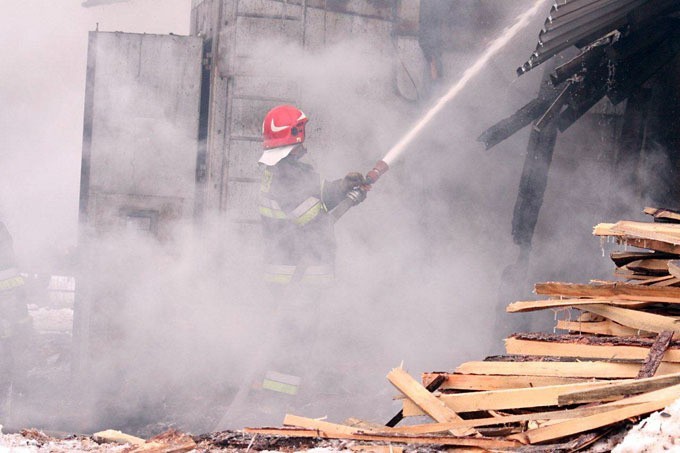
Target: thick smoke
<point x="419" y="262"/>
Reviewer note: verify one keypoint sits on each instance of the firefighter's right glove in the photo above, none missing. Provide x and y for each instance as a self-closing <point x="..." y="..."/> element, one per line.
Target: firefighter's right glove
<point x="353" y="180"/>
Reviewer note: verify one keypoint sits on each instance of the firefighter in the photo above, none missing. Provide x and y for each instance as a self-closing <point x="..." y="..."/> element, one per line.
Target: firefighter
<point x="295" y="203"/>
<point x="15" y="323"/>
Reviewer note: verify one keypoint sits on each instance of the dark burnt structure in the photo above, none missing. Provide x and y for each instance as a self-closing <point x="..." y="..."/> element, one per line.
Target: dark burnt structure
<point x="626" y="60"/>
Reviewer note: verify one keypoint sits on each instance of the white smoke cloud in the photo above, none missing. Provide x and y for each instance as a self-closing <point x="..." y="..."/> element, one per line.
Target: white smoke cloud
<point x="419" y="262"/>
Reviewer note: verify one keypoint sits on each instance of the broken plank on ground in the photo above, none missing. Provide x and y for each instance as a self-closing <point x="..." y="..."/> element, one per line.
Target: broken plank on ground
<point x="563" y="414"/>
<point x="479" y="442"/>
<point x="424" y="399"/>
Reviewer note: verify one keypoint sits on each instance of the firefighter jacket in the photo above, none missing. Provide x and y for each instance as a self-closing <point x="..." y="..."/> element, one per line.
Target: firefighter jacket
<point x="14" y="318"/>
<point x="298" y="231"/>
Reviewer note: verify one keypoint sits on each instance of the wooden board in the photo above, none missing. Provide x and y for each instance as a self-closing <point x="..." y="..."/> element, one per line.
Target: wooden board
<point x="481" y="382"/>
<point x="533" y="305"/>
<point x="654" y="267"/>
<point x="663" y="214"/>
<point x="501" y="420"/>
<point x="587" y="423"/>
<point x="635" y="319"/>
<point x="664" y="232"/>
<point x="656" y="354"/>
<point x="480" y="442"/>
<point x="547" y="396"/>
<point x="112" y="435"/>
<point x="506" y="399"/>
<point x="606" y="327"/>
<point x="582" y="369"/>
<point x="649" y="244"/>
<point x="616" y="291"/>
<point x="620" y="389"/>
<point x="592" y="351"/>
<point x="425" y="400"/>
<point x="621" y="259"/>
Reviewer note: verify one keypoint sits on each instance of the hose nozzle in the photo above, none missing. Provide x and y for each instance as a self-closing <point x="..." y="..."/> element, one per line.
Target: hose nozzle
<point x="380" y="169"/>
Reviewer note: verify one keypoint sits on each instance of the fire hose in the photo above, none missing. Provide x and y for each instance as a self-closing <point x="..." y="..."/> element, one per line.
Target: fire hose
<point x="355" y="196"/>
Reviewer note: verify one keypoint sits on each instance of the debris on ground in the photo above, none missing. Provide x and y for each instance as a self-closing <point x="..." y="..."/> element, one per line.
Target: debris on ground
<point x="615" y="362"/>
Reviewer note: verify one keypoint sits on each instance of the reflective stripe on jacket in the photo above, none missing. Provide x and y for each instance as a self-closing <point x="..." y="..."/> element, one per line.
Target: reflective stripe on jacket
<point x="298" y="232"/>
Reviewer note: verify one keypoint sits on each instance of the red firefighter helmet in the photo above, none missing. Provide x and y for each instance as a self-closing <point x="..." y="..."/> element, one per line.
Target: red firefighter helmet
<point x="283" y="128"/>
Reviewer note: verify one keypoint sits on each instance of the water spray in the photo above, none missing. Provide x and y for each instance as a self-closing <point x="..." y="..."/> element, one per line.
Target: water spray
<point x="383" y="165"/>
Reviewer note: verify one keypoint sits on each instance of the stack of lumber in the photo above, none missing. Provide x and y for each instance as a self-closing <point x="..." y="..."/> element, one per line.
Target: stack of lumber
<point x="614" y="361"/>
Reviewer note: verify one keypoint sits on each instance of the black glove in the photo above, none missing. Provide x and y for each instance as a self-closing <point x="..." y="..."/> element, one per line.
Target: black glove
<point x="352" y="181"/>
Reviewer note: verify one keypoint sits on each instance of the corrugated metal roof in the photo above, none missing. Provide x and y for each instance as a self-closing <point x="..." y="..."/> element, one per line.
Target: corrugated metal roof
<point x="574" y="22"/>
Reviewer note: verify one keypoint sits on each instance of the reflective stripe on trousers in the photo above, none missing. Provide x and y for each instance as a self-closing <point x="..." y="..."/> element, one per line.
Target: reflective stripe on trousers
<point x="281" y="383"/>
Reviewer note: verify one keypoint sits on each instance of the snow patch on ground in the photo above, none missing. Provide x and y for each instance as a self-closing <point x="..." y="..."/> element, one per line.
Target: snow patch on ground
<point x="660" y="432"/>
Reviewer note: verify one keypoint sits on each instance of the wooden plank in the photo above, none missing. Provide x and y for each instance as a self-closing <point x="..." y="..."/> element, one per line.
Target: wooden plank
<point x="621" y="259"/>
<point x="330" y="428"/>
<point x="480" y="442"/>
<point x="582" y="369"/>
<point x="593" y="351"/>
<point x="663" y="232"/>
<point x="481" y="382"/>
<point x="112" y="435"/>
<point x="630" y="275"/>
<point x="587" y="423"/>
<point x="425" y="400"/>
<point x="616" y="291"/>
<point x="563" y="414"/>
<point x="170" y="441"/>
<point x="655" y="280"/>
<point x="618" y="390"/>
<point x="656" y="353"/>
<point x="666" y="280"/>
<point x="544" y="396"/>
<point x="654" y="267"/>
<point x="606" y="327"/>
<point x="649" y="244"/>
<point x="506" y="399"/>
<point x="664" y="214"/>
<point x="635" y="319"/>
<point x="431" y="386"/>
<point x="605" y="229"/>
<point x="533" y="305"/>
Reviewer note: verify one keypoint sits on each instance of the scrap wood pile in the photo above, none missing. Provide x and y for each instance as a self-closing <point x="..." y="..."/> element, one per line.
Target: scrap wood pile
<point x="616" y="362"/>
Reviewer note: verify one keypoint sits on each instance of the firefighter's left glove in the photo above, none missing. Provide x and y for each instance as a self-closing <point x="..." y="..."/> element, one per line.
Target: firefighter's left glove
<point x="352" y="181"/>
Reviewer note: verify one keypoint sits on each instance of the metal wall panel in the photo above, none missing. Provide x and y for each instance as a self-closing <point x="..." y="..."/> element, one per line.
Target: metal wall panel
<point x="141" y="150"/>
